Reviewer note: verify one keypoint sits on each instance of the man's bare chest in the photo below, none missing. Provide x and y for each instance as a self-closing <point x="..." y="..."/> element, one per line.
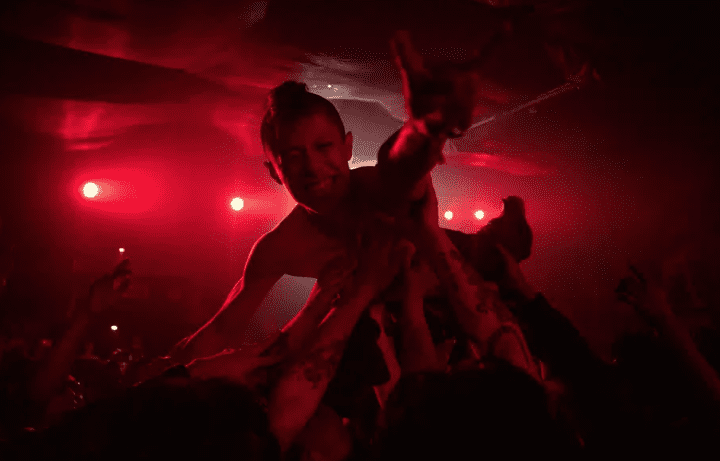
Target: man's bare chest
<point x="307" y="256"/>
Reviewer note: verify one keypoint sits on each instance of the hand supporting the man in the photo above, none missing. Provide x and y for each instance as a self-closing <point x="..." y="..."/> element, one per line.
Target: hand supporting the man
<point x="237" y="364"/>
<point x="298" y="392"/>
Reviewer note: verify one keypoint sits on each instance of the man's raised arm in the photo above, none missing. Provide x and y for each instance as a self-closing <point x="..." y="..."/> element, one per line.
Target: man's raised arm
<point x="227" y="327"/>
<point x="406" y="159"/>
<point x="440" y="100"/>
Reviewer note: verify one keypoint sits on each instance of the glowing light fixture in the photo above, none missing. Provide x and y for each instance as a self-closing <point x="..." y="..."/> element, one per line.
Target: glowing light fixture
<point x="448" y="215"/>
<point x="479" y="214"/>
<point x="237" y="204"/>
<point x="113" y="327"/>
<point x="91" y="190"/>
<point x="121" y="250"/>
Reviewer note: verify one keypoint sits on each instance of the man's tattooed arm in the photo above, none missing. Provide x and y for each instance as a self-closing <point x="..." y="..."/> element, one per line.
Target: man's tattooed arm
<point x="477" y="305"/>
<point x="298" y="392"/>
<point x="319" y="365"/>
<point x="471" y="299"/>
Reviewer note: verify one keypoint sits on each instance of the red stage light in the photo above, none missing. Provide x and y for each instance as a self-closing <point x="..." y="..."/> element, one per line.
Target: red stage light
<point x="91" y="190"/>
<point x="113" y="328"/>
<point x="237" y="204"/>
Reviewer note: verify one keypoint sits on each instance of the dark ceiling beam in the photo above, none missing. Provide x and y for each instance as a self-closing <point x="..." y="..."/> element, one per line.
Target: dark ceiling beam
<point x="34" y="68"/>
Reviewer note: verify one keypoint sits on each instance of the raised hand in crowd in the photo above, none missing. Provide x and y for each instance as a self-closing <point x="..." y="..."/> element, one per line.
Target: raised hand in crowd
<point x="418" y="352"/>
<point x="646" y="297"/>
<point x="334" y="278"/>
<point x="108" y="289"/>
<point x="650" y="301"/>
<point x="103" y="294"/>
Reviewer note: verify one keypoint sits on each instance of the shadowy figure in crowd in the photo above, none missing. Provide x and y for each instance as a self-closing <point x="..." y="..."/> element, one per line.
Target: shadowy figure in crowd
<point x="37" y="388"/>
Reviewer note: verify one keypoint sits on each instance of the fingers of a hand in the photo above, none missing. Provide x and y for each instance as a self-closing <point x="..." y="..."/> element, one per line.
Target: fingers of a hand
<point x="124" y="285"/>
<point x="407" y="265"/>
<point x="405" y="250"/>
<point x="338" y="267"/>
<point x="122" y="274"/>
<point x="637" y="273"/>
<point x="103" y="281"/>
<point x="122" y="269"/>
<point x="624" y="298"/>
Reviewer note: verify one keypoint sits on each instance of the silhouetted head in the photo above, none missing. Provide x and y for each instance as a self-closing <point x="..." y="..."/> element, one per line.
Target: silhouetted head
<point x="514" y="206"/>
<point x="307" y="148"/>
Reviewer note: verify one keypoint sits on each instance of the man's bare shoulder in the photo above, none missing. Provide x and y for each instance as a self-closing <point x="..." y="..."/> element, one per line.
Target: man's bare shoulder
<point x="278" y="245"/>
<point x="288" y="228"/>
<point x="271" y="251"/>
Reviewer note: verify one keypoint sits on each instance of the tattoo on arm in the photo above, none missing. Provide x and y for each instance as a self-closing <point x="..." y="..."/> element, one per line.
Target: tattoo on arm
<point x="321" y="363"/>
<point x="281" y="346"/>
<point x="318" y="365"/>
<point x="485" y="301"/>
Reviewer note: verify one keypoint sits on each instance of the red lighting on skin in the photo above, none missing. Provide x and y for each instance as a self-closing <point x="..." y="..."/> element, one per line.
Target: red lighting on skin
<point x="448" y="215"/>
<point x="91" y="190"/>
<point x="237" y="204"/>
<point x="479" y="214"/>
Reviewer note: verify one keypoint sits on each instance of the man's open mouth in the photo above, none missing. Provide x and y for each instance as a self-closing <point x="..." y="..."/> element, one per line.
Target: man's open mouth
<point x="320" y="186"/>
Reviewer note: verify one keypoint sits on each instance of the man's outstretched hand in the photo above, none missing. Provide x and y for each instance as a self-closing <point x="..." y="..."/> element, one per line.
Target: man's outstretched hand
<point x="443" y="96"/>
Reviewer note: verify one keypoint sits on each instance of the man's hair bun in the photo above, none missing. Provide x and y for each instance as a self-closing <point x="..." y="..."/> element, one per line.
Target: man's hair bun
<point x="289" y="95"/>
<point x="291" y="101"/>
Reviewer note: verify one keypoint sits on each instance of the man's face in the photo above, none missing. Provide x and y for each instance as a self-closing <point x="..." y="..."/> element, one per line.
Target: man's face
<point x="311" y="160"/>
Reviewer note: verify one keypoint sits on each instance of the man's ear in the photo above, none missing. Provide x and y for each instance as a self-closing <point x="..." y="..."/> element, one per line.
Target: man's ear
<point x="348" y="145"/>
<point x="273" y="174"/>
